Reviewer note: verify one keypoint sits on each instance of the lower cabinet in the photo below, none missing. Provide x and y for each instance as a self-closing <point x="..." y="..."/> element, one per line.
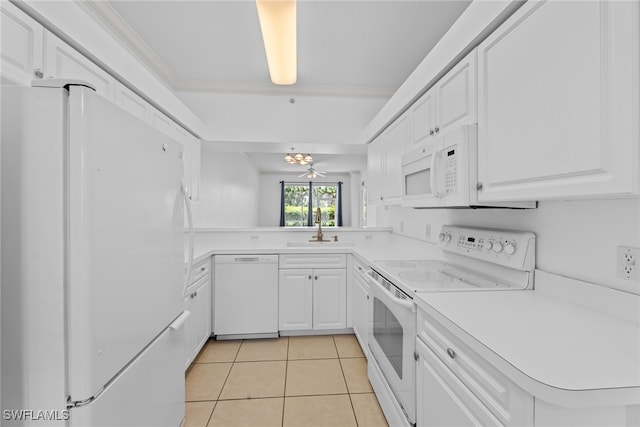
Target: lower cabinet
<point x="443" y="400"/>
<point x="456" y="386"/>
<point x="197" y="301"/>
<point x="312" y="298"/>
<point x="360" y="304"/>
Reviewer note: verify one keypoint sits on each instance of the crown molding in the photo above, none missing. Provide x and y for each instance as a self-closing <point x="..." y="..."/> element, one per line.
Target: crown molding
<point x="104" y="14"/>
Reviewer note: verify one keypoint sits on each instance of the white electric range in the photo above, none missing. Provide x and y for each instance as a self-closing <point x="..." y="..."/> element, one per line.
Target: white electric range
<point x="473" y="259"/>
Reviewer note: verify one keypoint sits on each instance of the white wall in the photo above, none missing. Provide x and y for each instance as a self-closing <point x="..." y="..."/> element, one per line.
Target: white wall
<point x="269" y="197"/>
<point x="577" y="239"/>
<point x="228" y="191"/>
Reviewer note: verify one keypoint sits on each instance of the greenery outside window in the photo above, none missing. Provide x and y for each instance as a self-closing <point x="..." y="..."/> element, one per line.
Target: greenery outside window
<point x="299" y="201"/>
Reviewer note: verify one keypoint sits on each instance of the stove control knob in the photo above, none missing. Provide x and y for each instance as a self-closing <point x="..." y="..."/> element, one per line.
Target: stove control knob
<point x="510" y="248"/>
<point x="447" y="237"/>
<point x="441" y="237"/>
<point x="497" y="247"/>
<point x="488" y="246"/>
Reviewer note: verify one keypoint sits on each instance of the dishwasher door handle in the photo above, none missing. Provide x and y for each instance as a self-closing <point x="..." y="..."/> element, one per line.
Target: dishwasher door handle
<point x="247" y="259"/>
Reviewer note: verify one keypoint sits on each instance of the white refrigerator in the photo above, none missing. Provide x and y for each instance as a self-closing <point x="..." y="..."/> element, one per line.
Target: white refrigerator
<point x="92" y="263"/>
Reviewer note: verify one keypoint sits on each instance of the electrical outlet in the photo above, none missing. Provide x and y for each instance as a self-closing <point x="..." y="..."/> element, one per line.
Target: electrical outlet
<point x="427" y="231"/>
<point x="627" y="264"/>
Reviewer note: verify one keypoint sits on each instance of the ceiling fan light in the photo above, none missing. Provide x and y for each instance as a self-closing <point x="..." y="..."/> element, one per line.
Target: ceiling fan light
<point x="278" y="25"/>
<point x="308" y="158"/>
<point x="289" y="158"/>
<point x="298" y="157"/>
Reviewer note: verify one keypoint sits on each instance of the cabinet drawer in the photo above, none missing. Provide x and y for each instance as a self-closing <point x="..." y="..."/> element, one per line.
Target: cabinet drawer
<point x="508" y="402"/>
<point x="200" y="270"/>
<point x="360" y="270"/>
<point x="313" y="261"/>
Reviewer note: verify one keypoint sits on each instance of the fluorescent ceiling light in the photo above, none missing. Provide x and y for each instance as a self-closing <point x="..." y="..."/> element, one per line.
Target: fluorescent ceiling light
<point x="278" y="24"/>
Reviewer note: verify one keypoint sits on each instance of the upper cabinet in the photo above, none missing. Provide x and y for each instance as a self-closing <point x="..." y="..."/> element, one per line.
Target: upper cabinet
<point x="384" y="167"/>
<point x="21" y="52"/>
<point x="31" y="52"/>
<point x="132" y="103"/>
<point x="63" y="61"/>
<point x="451" y="102"/>
<point x="558" y="102"/>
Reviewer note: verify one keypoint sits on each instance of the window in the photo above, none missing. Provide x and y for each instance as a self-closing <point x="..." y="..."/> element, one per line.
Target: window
<point x="300" y="200"/>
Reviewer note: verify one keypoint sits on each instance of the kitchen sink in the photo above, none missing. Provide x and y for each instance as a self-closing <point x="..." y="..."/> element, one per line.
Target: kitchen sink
<point x="330" y="243"/>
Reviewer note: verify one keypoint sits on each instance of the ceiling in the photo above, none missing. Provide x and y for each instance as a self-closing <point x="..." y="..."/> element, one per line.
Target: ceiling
<point x="352" y="56"/>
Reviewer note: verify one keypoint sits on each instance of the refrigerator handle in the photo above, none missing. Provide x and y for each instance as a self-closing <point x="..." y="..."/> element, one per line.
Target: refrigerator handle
<point x="187" y="202"/>
<point x="177" y="324"/>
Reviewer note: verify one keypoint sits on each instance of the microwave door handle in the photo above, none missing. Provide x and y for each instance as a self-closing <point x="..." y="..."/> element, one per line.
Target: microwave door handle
<point x="434" y="175"/>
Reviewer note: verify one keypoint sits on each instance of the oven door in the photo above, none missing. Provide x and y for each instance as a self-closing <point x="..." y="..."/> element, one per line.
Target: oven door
<point x="392" y="341"/>
<point x="420" y="173"/>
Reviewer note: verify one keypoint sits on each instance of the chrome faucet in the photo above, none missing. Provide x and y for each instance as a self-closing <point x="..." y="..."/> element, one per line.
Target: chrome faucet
<point x="318" y="220"/>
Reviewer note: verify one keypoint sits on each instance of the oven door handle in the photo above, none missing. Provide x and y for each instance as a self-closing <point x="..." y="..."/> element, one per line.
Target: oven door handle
<point x="409" y="305"/>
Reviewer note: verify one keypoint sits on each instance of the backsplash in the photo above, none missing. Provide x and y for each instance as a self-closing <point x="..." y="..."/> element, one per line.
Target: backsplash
<point x="576" y="239"/>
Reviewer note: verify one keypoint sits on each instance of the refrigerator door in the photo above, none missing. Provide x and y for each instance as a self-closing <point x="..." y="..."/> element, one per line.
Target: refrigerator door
<point x="125" y="239"/>
<point x="150" y="392"/>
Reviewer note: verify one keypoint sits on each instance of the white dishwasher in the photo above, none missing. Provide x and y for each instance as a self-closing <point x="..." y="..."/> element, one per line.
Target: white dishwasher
<point x="246" y="296"/>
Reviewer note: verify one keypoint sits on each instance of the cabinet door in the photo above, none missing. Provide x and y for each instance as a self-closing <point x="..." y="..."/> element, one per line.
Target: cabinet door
<point x="442" y="399"/>
<point x="330" y="299"/>
<point x="132" y="103"/>
<point x="21" y="46"/>
<point x="558" y="103"/>
<point x="64" y="62"/>
<point x="360" y="311"/>
<point x="374" y="171"/>
<point x="161" y="122"/>
<point x="423" y="118"/>
<point x="198" y="327"/>
<point x="457" y="95"/>
<point x="295" y="311"/>
<point x="394" y="146"/>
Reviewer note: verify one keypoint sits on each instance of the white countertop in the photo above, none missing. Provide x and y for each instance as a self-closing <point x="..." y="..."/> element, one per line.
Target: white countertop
<point x="567" y="342"/>
<point x="391" y="247"/>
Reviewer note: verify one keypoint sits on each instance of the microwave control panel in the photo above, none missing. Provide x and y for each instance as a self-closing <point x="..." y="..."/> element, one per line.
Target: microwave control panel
<point x="515" y="249"/>
<point x="450" y="172"/>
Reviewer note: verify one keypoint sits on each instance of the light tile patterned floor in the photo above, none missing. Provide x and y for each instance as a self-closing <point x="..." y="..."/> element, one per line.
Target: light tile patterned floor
<point x="289" y="381"/>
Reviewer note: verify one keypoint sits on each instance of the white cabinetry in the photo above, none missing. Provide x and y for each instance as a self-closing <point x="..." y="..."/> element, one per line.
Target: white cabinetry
<point x="384" y="163"/>
<point x="295" y="300"/>
<point x="21" y="51"/>
<point x="312" y="296"/>
<point x="443" y="399"/>
<point x="63" y="61"/>
<point x="360" y="304"/>
<point x="126" y="99"/>
<point x="329" y="298"/>
<point x="558" y="102"/>
<point x="451" y="102"/>
<point x="455" y="386"/>
<point x="197" y="301"/>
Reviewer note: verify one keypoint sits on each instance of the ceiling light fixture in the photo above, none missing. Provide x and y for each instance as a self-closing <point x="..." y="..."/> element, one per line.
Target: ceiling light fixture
<point x="298" y="158"/>
<point x="278" y="25"/>
<point x="312" y="173"/>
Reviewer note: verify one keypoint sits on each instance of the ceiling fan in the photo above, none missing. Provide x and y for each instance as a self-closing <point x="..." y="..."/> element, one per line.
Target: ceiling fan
<point x="312" y="173"/>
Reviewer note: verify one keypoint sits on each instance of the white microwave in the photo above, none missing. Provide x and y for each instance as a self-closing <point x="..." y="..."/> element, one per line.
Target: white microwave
<point x="443" y="173"/>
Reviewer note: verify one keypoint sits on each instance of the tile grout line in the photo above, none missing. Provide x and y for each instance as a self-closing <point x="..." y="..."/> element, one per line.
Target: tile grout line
<point x="284" y="393"/>
<point x="344" y="377"/>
